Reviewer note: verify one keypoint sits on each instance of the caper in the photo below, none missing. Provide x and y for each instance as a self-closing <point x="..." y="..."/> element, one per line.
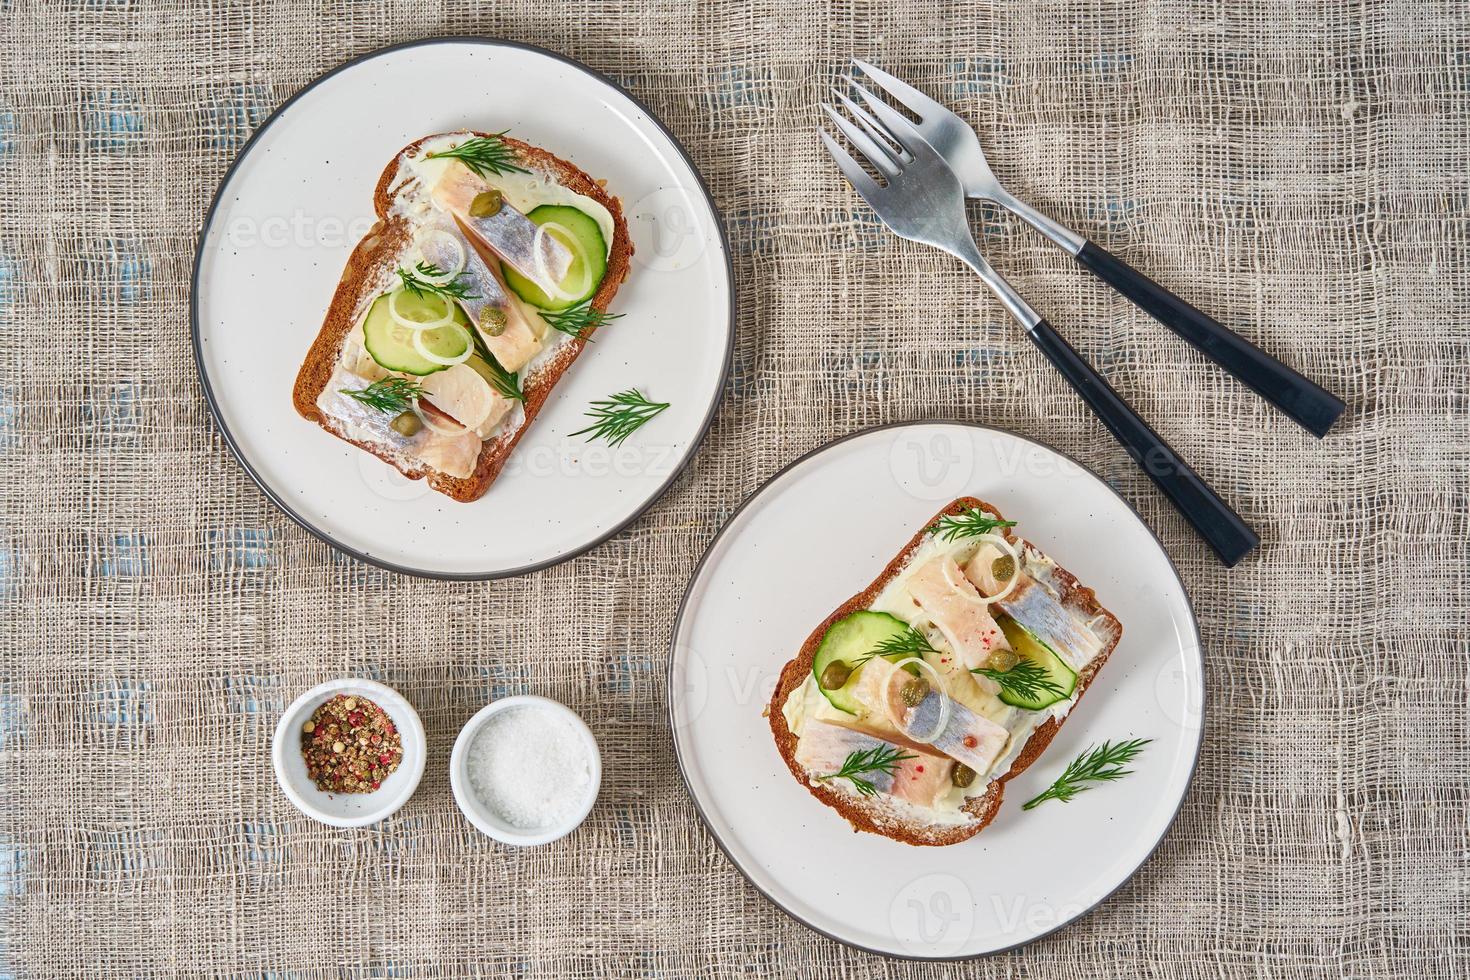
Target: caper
<point x="914" y="692"/>
<point x="492" y="321"/>
<point x="1002" y="660"/>
<point x="1003" y="568"/>
<point x="835" y="675"/>
<point x="962" y="776"/>
<point x="407" y="424"/>
<point x="486" y="204"/>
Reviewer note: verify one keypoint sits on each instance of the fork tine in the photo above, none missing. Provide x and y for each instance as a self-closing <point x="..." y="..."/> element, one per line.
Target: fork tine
<point x="882" y="158"/>
<point x="856" y="175"/>
<point x="866" y="120"/>
<point x="911" y="98"/>
<point x="897" y="128"/>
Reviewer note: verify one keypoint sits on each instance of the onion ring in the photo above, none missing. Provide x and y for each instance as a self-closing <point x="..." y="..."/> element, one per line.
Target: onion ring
<point x="1000" y="542"/>
<point x="977" y="598"/>
<point x="419" y="325"/>
<point x="439" y="236"/>
<point x="555" y="291"/>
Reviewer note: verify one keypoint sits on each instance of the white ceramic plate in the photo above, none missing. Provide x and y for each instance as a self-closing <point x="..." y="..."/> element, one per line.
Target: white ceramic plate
<point x="298" y="199"/>
<point x="818" y="533"/>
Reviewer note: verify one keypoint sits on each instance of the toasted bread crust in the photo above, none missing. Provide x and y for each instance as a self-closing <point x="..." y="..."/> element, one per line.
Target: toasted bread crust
<point x="380" y="249"/>
<point x="873" y="814"/>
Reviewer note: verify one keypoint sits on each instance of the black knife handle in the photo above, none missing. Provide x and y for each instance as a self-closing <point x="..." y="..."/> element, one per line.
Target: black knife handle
<point x="1313" y="407"/>
<point x="1222" y="528"/>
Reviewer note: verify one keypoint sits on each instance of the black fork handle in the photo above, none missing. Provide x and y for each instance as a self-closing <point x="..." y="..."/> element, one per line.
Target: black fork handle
<point x="1310" y="405"/>
<point x="1222" y="528"/>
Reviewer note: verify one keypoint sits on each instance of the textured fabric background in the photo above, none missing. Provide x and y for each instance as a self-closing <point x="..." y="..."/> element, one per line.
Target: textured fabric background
<point x="1300" y="169"/>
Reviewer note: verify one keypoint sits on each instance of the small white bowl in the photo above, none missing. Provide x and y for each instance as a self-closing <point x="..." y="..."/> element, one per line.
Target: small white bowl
<point x="349" y="809"/>
<point x="487" y="820"/>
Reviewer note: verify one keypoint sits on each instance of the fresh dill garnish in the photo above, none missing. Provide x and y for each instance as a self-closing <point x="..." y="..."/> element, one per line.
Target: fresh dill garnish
<point x="507" y="383"/>
<point x="417" y="282"/>
<point x="880" y="758"/>
<point x="911" y="642"/>
<point x="971" y="524"/>
<point x="620" y="416"/>
<point x="390" y="395"/>
<point x="579" y="321"/>
<point x="1103" y="763"/>
<point x="1027" y="680"/>
<point x="483" y="154"/>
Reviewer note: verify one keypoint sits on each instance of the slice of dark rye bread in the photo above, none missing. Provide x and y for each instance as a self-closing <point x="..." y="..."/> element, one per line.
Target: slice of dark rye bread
<point x="877" y="814"/>
<point x="362" y="281"/>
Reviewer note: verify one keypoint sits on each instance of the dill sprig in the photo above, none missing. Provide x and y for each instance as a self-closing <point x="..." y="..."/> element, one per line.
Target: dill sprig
<point x="507" y="383"/>
<point x="579" y="321"/>
<point x="880" y="758"/>
<point x="911" y="642"/>
<point x="483" y="154"/>
<point x="390" y="395"/>
<point x="415" y="282"/>
<point x="971" y="524"/>
<point x="1027" y="680"/>
<point x="1103" y="763"/>
<point x="620" y="416"/>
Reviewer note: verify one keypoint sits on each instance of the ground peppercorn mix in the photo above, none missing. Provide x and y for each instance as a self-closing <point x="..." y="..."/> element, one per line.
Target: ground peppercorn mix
<point x="350" y="745"/>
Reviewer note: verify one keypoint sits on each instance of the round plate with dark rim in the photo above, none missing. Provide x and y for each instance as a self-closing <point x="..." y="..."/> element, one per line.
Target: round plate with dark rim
<point x="297" y="200"/>
<point x="819" y="532"/>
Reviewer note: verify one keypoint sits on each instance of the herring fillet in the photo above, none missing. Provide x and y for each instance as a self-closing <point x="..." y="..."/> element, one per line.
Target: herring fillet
<point x="922" y="780"/>
<point x="965" y="736"/>
<point x="920" y="777"/>
<point x="508" y="233"/>
<point x="454" y="454"/>
<point x="355" y="416"/>
<point x="823" y="749"/>
<point x="963" y="618"/>
<point x="1038" y="609"/>
<point x="517" y="343"/>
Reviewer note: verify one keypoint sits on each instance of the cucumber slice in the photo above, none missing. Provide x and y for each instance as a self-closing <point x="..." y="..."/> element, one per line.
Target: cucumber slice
<point x="391" y="344"/>
<point x="1029" y="646"/>
<point x="589" y="258"/>
<point x="847" y="641"/>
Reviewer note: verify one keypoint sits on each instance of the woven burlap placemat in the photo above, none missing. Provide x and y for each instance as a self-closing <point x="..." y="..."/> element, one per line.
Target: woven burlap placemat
<point x="1297" y="168"/>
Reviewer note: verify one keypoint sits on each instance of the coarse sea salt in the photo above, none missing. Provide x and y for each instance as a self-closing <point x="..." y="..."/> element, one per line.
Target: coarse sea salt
<point x="530" y="766"/>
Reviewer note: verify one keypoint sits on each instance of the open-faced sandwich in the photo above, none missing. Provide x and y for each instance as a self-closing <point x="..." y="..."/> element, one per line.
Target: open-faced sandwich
<point x="912" y="705"/>
<point x="490" y="264"/>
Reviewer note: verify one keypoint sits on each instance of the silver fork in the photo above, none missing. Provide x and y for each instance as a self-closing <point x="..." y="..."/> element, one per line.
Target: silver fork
<point x="921" y="199"/>
<point x="1304" y="401"/>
